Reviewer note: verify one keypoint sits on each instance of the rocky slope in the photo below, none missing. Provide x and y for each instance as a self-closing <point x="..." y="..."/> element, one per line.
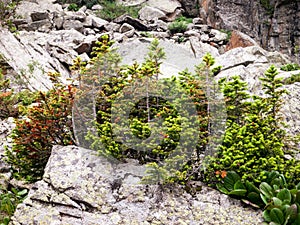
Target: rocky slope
<point x="274" y="24"/>
<point x="78" y="187"/>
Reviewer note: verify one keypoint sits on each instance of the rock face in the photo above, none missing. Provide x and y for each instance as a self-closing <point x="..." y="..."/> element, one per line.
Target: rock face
<point x="290" y="109"/>
<point x="191" y="7"/>
<point x="239" y="39"/>
<point x="274" y="26"/>
<point x="80" y="188"/>
<point x="20" y="55"/>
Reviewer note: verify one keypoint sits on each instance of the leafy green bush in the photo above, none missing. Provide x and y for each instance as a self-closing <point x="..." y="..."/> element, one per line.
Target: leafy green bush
<point x="179" y="25"/>
<point x="184" y="19"/>
<point x="280" y="204"/>
<point x="293" y="79"/>
<point x="290" y="67"/>
<point x="45" y="123"/>
<point x="8" y="203"/>
<point x="73" y="7"/>
<point x="141" y="112"/>
<point x="112" y="10"/>
<point x="254" y="140"/>
<point x="146" y="109"/>
<point x="232" y="184"/>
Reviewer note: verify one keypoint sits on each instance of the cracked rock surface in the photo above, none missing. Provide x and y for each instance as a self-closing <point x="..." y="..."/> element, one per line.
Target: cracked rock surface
<point x="80" y="187"/>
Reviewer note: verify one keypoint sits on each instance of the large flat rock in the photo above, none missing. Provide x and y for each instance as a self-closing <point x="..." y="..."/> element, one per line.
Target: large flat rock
<point x="80" y="187"/>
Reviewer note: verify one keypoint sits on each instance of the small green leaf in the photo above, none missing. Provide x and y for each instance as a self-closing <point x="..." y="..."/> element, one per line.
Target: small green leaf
<point x="285" y="195"/>
<point x="238" y="192"/>
<point x="277" y="216"/>
<point x="230" y="179"/>
<point x="23" y="192"/>
<point x="266" y="216"/>
<point x="277" y="201"/>
<point x="271" y="176"/>
<point x="266" y="190"/>
<point x="222" y="188"/>
<point x="239" y="185"/>
<point x="264" y="199"/>
<point x="251" y="187"/>
<point x="255" y="198"/>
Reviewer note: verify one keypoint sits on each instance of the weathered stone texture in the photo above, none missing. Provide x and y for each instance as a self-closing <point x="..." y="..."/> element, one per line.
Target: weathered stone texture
<point x="278" y="30"/>
<point x="82" y="188"/>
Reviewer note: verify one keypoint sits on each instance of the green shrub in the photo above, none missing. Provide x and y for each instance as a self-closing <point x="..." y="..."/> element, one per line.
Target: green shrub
<point x="146" y="110"/>
<point x="184" y="19"/>
<point x="179" y="25"/>
<point x="232" y="184"/>
<point x="282" y="204"/>
<point x="290" y="67"/>
<point x="112" y="10"/>
<point x="254" y="140"/>
<point x="279" y="203"/>
<point x="73" y="7"/>
<point x="293" y="79"/>
<point x="141" y="112"/>
<point x="46" y="123"/>
<point x="9" y="199"/>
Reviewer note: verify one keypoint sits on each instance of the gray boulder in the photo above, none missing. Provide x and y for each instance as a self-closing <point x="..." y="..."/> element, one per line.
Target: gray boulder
<point x="167" y="6"/>
<point x="98" y="22"/>
<point x="217" y="36"/>
<point x="73" y="24"/>
<point x="249" y="55"/>
<point x="148" y="13"/>
<point x="291" y="109"/>
<point x="36" y="10"/>
<point x="125" y="28"/>
<point x="79" y="187"/>
<point x="200" y="49"/>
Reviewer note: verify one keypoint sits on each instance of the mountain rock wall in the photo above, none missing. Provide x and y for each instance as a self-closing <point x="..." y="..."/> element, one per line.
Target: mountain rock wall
<point x="275" y="25"/>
